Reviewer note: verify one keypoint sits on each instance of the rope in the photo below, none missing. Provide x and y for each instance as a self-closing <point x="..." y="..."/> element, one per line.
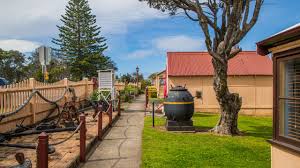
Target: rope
<point x="53" y="101"/>
<point x="31" y="96"/>
<point x="19" y="108"/>
<point x="60" y="142"/>
<point x="102" y="111"/>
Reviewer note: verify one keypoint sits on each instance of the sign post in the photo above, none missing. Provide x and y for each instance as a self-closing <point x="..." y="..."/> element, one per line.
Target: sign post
<point x="44" y="58"/>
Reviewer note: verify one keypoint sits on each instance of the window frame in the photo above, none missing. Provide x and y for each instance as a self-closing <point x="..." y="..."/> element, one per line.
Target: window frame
<point x="277" y="138"/>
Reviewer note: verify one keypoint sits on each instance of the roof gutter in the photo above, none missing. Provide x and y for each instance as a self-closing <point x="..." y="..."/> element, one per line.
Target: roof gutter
<point x="278" y="39"/>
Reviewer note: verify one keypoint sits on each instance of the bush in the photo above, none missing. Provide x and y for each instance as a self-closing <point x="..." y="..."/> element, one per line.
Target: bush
<point x="95" y="95"/>
<point x="153" y="94"/>
<point x="128" y="93"/>
<point x="126" y="98"/>
<point x="141" y="91"/>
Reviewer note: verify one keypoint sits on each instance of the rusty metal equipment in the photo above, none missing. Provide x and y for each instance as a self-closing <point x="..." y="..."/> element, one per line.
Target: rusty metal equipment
<point x="22" y="161"/>
<point x="69" y="114"/>
<point x="10" y="135"/>
<point x="51" y="149"/>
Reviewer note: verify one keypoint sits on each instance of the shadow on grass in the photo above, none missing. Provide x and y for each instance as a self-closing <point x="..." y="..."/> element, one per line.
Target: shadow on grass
<point x="259" y="131"/>
<point x="202" y="129"/>
<point x="197" y="114"/>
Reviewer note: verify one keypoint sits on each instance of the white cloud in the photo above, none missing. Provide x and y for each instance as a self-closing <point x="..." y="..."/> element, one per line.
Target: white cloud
<point x="20" y="45"/>
<point x="165" y="44"/>
<point x="179" y="43"/>
<point x="36" y="18"/>
<point x="139" y="54"/>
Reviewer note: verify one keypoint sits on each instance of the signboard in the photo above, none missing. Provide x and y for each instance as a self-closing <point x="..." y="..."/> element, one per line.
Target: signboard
<point x="44" y="55"/>
<point x="106" y="79"/>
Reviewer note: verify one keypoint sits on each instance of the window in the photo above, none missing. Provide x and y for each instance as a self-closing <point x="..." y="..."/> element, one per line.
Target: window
<point x="161" y="81"/>
<point x="288" y="92"/>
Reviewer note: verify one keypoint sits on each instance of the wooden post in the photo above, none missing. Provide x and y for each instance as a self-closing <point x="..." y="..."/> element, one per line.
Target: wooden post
<point x="95" y="83"/>
<point x="100" y="123"/>
<point x="82" y="138"/>
<point x="66" y="85"/>
<point x="42" y="151"/>
<point x="110" y="111"/>
<point x="147" y="98"/>
<point x="153" y="115"/>
<point x="86" y="93"/>
<point x="33" y="101"/>
<point x="119" y="104"/>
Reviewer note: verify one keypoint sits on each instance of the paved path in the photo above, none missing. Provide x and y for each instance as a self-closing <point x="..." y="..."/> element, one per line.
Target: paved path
<point x="121" y="147"/>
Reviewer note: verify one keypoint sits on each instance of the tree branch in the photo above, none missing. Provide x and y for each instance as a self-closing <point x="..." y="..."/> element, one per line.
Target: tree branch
<point x="189" y="16"/>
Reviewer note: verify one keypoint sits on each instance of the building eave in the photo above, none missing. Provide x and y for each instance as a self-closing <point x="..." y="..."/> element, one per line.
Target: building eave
<point x="281" y="38"/>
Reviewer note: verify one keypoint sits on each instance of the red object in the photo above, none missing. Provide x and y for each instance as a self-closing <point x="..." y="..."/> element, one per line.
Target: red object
<point x="110" y="113"/>
<point x="119" y="105"/>
<point x="42" y="151"/>
<point x="147" y="97"/>
<point x="100" y="124"/>
<point x="82" y="138"/>
<point x="199" y="64"/>
<point x="165" y="88"/>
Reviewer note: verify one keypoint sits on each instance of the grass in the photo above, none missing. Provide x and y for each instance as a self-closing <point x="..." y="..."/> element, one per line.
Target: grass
<point x="163" y="149"/>
<point x="156" y="100"/>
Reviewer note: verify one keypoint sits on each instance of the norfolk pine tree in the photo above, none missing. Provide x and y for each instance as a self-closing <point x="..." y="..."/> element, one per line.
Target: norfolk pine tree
<point x="80" y="42"/>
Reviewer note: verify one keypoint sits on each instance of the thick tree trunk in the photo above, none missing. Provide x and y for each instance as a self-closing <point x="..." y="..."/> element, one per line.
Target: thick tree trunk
<point x="230" y="103"/>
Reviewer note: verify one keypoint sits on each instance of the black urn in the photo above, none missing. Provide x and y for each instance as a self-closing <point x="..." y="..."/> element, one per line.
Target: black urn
<point x="179" y="106"/>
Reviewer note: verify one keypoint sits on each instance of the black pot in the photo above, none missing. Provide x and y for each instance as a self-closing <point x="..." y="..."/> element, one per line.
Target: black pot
<point x="179" y="106"/>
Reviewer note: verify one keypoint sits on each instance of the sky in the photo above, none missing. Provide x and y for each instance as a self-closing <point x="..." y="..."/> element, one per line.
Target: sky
<point x="136" y="34"/>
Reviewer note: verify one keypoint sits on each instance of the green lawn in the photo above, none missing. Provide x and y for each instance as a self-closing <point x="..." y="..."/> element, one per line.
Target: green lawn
<point x="163" y="149"/>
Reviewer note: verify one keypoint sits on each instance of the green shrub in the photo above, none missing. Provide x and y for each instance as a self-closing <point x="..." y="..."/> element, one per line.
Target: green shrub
<point x="95" y="95"/>
<point x="153" y="94"/>
<point x="126" y="97"/>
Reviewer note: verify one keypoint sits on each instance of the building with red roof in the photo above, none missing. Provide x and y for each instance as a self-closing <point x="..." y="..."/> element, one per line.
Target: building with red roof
<point x="249" y="74"/>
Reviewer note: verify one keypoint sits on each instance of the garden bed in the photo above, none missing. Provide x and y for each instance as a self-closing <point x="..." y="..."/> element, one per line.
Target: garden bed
<point x="203" y="149"/>
<point x="65" y="155"/>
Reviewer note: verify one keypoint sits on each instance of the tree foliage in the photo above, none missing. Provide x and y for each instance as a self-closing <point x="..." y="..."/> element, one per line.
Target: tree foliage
<point x="12" y="65"/>
<point x="131" y="78"/>
<point x="56" y="69"/>
<point x="224" y="24"/>
<point x="80" y="42"/>
<point x="153" y="75"/>
<point x="127" y="78"/>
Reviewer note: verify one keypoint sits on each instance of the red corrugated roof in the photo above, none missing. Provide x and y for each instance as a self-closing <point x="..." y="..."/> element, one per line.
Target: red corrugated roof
<point x="199" y="64"/>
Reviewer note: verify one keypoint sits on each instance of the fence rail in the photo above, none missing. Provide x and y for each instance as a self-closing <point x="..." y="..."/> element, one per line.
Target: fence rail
<point x="15" y="95"/>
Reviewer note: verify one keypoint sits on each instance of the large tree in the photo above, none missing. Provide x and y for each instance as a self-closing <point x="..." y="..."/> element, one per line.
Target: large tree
<point x="12" y="65"/>
<point x="80" y="41"/>
<point x="224" y="24"/>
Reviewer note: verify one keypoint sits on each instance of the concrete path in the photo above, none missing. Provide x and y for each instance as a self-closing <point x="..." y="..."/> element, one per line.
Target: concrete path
<point x="121" y="147"/>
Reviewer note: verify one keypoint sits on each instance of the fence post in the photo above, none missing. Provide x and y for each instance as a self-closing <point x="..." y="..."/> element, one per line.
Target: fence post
<point x="33" y="101"/>
<point x="100" y="123"/>
<point x="82" y="138"/>
<point x="66" y="85"/>
<point x="95" y="83"/>
<point x="119" y="105"/>
<point x="85" y="87"/>
<point x="110" y="111"/>
<point x="42" y="151"/>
